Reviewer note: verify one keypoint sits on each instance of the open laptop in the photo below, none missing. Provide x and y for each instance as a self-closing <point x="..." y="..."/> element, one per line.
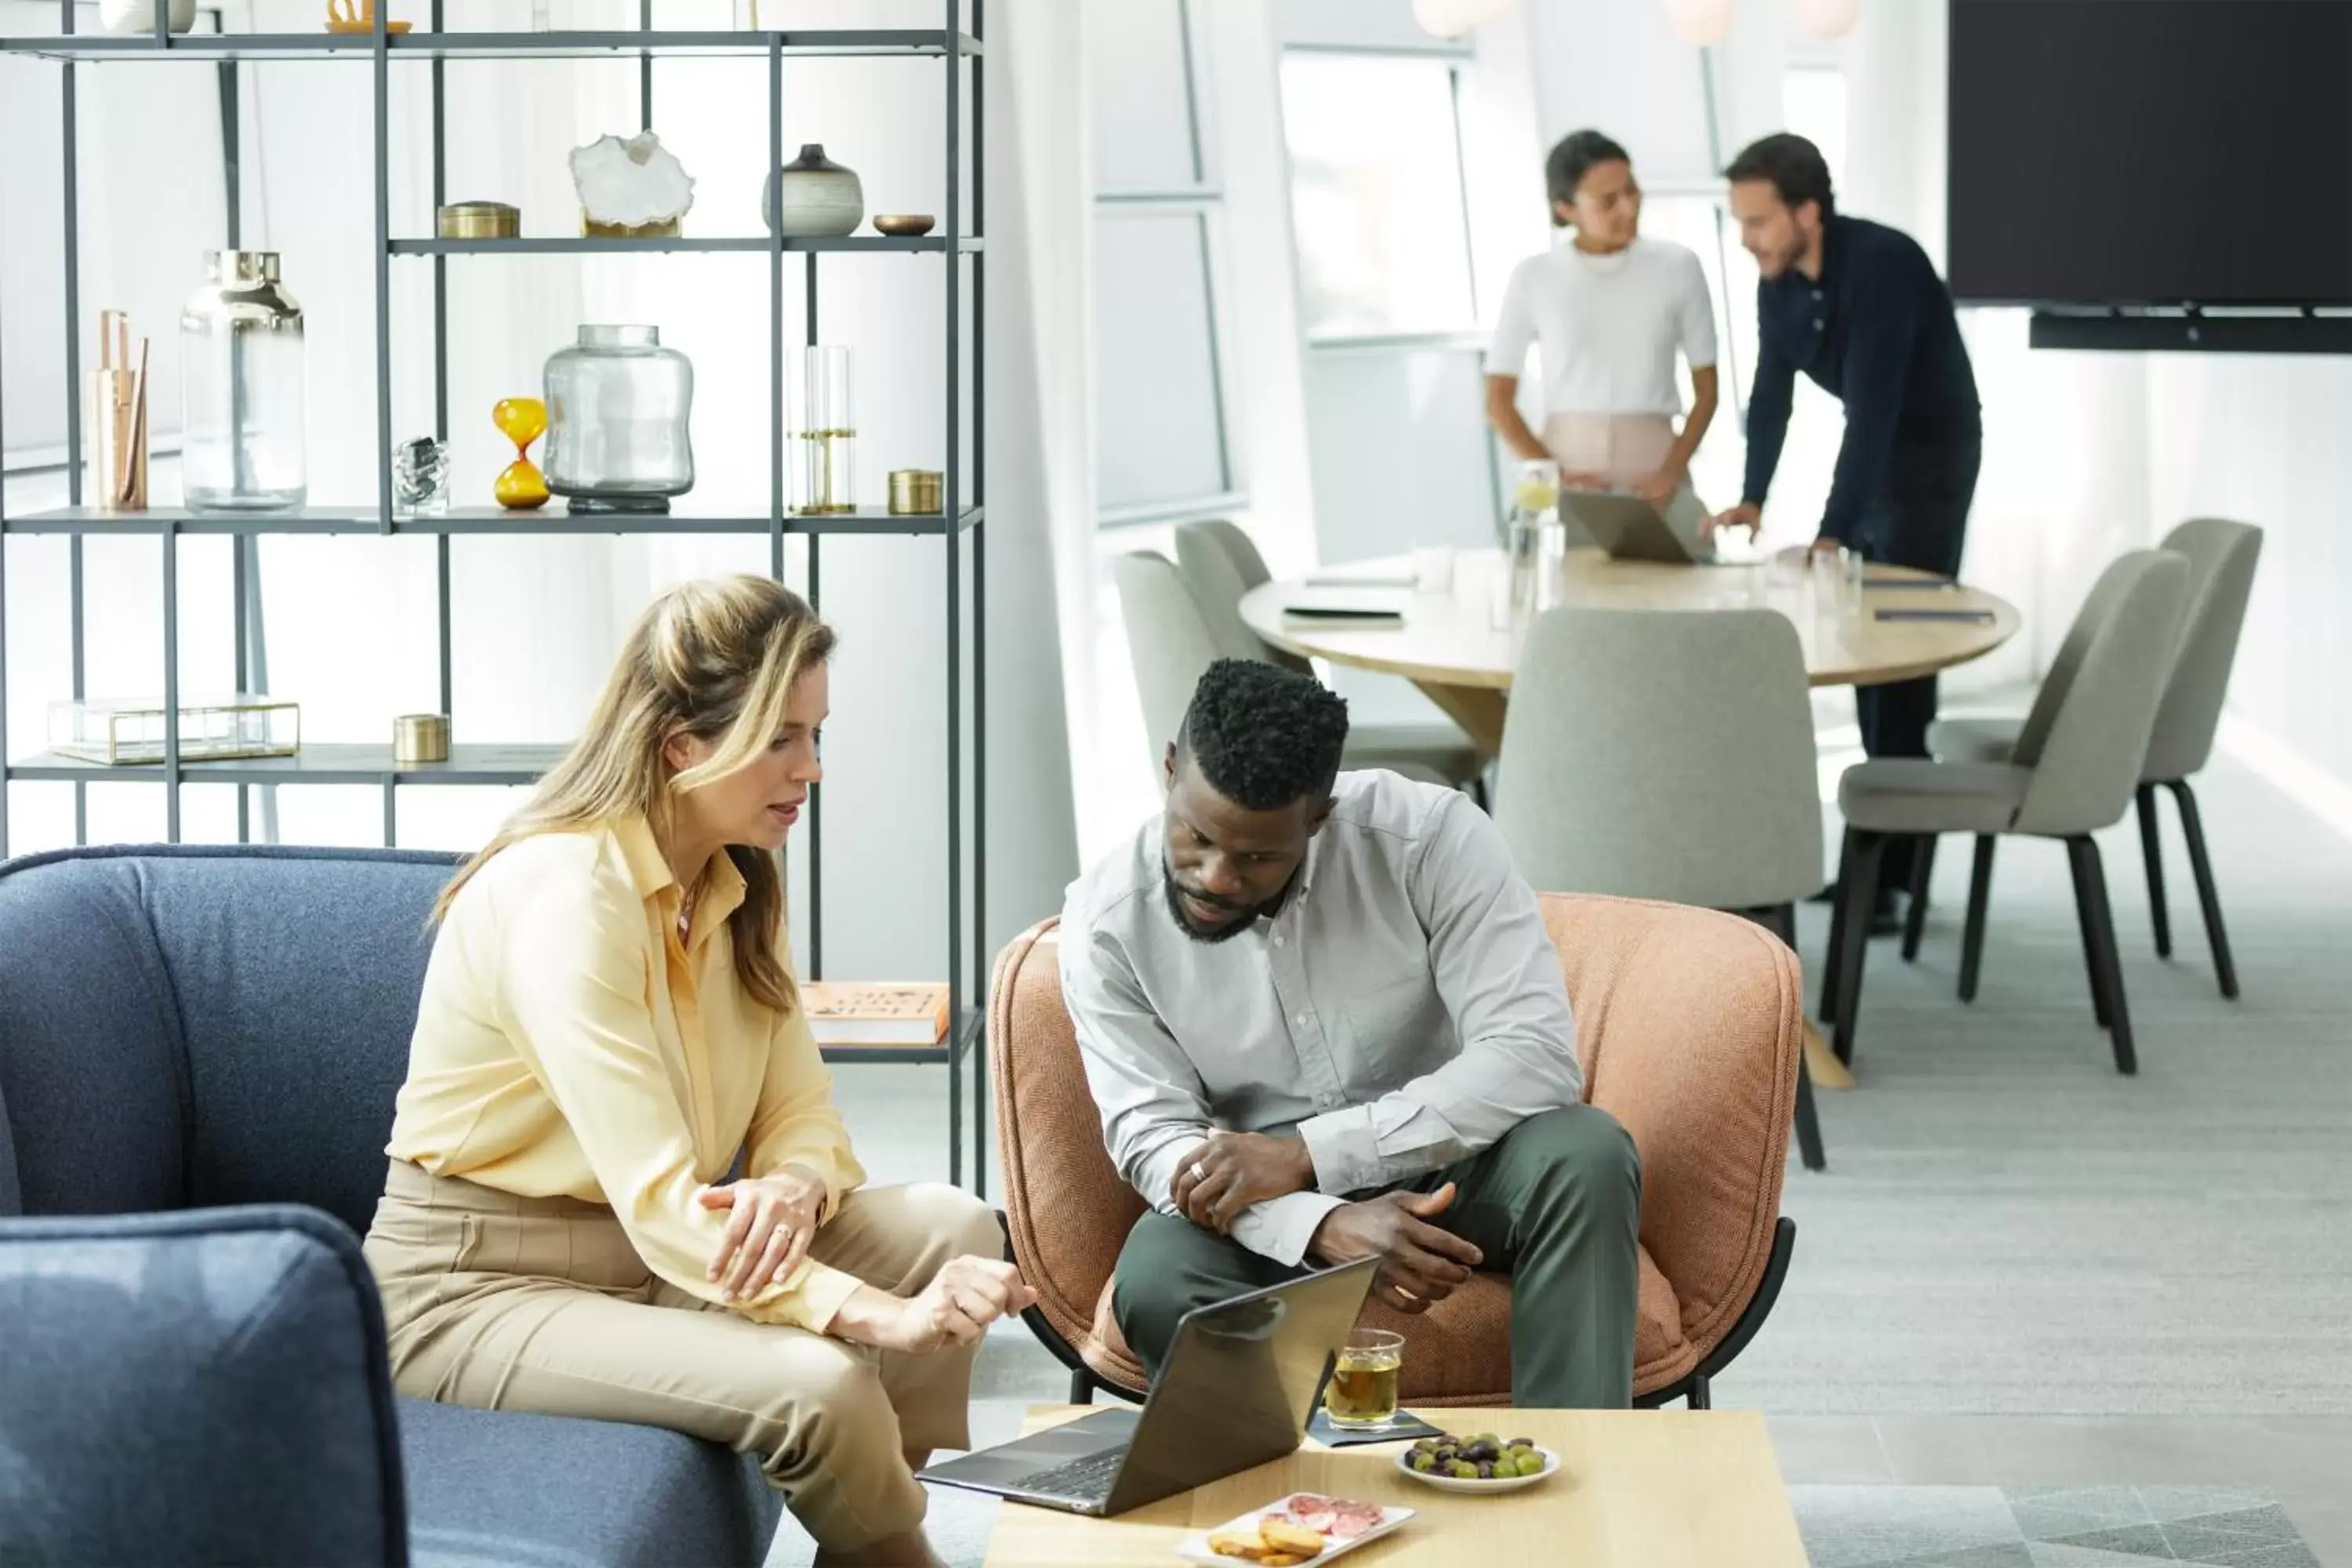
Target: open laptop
<point x="1631" y="529"/>
<point x="1240" y="1383"/>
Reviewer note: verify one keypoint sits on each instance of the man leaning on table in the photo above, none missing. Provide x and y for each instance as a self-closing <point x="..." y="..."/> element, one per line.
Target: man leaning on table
<point x="1858" y="307"/>
<point x="1323" y="1021"/>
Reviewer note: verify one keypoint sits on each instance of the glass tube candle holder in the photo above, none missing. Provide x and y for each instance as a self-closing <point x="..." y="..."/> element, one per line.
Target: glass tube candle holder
<point x="825" y="430"/>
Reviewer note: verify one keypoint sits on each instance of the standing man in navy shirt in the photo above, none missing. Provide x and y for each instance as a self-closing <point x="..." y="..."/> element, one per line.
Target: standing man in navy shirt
<point x="1858" y="307"/>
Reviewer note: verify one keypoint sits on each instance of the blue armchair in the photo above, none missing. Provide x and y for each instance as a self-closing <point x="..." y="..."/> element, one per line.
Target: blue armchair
<point x="199" y="1051"/>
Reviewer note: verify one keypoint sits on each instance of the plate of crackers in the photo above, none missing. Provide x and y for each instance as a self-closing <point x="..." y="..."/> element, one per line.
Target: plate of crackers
<point x="1305" y="1526"/>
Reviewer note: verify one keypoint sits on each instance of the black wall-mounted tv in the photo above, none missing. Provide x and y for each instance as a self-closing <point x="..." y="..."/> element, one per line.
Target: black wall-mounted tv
<point x="2151" y="152"/>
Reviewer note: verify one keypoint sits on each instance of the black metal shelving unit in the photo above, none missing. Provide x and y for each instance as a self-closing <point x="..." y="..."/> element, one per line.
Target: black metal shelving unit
<point x="960" y="249"/>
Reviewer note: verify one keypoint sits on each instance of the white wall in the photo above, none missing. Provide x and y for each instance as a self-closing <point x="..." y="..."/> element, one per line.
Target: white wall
<point x="2261" y="440"/>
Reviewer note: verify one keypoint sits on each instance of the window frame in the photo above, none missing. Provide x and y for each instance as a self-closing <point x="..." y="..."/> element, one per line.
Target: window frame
<point x="1455" y="57"/>
<point x="1471" y="337"/>
<point x="1203" y="198"/>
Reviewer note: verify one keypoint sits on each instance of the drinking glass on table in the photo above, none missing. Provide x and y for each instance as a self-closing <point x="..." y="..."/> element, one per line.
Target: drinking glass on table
<point x="1363" y="1388"/>
<point x="1834" y="581"/>
<point x="1513" y="592"/>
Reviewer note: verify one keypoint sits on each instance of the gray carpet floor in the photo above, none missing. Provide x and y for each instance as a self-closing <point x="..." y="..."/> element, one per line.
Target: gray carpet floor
<point x="2008" y="1225"/>
<point x="2007" y="1228"/>
<point x="1991" y="1527"/>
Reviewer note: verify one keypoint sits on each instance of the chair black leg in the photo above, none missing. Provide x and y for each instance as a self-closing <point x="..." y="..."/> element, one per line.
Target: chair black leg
<point x="1972" y="934"/>
<point x="1808" y="1121"/>
<point x="1856" y="891"/>
<point x="2092" y="968"/>
<point x="1826" y="1009"/>
<point x="1923" y="872"/>
<point x="2099" y="923"/>
<point x="1781" y="919"/>
<point x="1702" y="1398"/>
<point x="2151" y="849"/>
<point x="2201" y="864"/>
<point x="1082" y="1386"/>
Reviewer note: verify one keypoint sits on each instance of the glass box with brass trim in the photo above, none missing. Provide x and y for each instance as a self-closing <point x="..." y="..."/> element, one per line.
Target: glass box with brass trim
<point x="125" y="732"/>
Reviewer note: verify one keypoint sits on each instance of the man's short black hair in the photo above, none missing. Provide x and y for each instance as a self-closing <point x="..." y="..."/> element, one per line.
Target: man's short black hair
<point x="1263" y="736"/>
<point x="1572" y="159"/>
<point x="1795" y="167"/>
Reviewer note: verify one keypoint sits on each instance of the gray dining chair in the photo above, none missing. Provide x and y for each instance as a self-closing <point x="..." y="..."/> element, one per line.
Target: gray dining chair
<point x="2221" y="558"/>
<point x="2074" y="771"/>
<point x="1220" y="563"/>
<point x="1168" y="641"/>
<point x="1669" y="755"/>
<point x="1172" y="645"/>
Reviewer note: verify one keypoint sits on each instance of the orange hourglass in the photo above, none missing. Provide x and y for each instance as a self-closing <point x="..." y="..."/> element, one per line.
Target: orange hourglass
<point x="521" y="420"/>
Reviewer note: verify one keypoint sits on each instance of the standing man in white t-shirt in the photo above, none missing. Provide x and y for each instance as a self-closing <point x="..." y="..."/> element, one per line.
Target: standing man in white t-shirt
<point x="1609" y="308"/>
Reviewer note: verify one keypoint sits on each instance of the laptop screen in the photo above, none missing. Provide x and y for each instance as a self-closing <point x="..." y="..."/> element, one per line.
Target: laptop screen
<point x="1241" y="1381"/>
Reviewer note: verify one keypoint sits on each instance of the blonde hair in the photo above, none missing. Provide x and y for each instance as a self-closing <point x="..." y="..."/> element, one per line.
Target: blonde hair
<point x="716" y="659"/>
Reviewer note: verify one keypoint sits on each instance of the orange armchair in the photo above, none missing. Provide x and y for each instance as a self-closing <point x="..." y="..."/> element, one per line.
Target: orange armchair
<point x="1688" y="1027"/>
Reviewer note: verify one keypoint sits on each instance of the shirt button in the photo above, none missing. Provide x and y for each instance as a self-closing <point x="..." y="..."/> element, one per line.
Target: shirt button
<point x="1817" y="293"/>
<point x="1300" y="1020"/>
<point x="1278" y="939"/>
<point x="1817" y="324"/>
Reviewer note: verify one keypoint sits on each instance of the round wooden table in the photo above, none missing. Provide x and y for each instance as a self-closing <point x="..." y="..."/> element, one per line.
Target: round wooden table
<point x="1450" y="645"/>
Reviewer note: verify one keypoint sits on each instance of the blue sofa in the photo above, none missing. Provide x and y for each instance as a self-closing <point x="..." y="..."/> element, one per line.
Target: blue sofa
<point x="199" y="1051"/>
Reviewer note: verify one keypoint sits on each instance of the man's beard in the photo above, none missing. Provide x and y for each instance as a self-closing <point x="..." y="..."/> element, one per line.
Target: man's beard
<point x="1243" y="918"/>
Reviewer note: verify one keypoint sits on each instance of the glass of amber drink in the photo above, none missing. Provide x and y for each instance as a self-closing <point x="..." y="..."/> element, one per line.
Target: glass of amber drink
<point x="1363" y="1389"/>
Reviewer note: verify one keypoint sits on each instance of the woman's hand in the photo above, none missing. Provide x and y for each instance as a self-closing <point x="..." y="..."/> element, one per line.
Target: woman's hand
<point x="956" y="1308"/>
<point x="775" y="1219"/>
<point x="1660" y="487"/>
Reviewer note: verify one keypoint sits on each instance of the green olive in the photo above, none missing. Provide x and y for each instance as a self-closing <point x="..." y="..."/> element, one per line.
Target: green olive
<point x="1465" y="1470"/>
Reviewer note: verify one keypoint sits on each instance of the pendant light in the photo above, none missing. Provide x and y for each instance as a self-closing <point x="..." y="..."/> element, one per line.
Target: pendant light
<point x="1699" y="22"/>
<point x="1827" y="18"/>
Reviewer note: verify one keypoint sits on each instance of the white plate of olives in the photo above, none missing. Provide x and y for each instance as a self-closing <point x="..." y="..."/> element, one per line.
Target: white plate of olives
<point x="1482" y="1462"/>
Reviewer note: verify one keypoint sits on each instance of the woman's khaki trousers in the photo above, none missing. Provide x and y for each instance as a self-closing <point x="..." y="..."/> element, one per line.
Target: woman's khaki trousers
<point x="541" y="1304"/>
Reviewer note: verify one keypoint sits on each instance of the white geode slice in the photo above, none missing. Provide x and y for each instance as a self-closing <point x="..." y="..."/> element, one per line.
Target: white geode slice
<point x="631" y="183"/>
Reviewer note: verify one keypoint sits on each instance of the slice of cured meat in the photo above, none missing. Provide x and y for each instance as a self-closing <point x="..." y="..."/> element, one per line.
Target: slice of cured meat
<point x="1335" y="1517"/>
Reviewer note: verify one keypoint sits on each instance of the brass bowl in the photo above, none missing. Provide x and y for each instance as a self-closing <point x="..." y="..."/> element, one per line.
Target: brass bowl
<point x="903" y="225"/>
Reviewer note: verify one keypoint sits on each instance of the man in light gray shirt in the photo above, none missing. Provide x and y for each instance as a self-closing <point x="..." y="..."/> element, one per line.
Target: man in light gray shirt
<point x="1323" y="1021"/>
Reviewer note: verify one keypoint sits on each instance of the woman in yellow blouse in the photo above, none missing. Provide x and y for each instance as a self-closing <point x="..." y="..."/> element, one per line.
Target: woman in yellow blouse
<point x="606" y="1021"/>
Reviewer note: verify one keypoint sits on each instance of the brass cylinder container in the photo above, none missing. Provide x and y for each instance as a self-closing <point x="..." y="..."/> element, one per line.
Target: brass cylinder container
<point x="479" y="220"/>
<point x="916" y="493"/>
<point x="420" y="738"/>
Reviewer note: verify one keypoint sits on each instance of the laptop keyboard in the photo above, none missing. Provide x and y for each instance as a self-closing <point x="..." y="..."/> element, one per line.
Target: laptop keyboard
<point x="1084" y="1479"/>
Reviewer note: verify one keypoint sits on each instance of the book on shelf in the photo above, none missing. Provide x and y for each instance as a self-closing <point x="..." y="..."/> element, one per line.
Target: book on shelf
<point x="854" y="1013"/>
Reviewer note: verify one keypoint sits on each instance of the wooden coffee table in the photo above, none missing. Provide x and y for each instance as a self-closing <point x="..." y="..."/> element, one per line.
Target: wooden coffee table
<point x="1637" y="1489"/>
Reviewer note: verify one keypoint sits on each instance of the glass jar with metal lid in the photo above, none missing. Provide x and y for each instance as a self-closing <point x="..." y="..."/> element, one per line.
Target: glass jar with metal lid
<point x="242" y="387"/>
